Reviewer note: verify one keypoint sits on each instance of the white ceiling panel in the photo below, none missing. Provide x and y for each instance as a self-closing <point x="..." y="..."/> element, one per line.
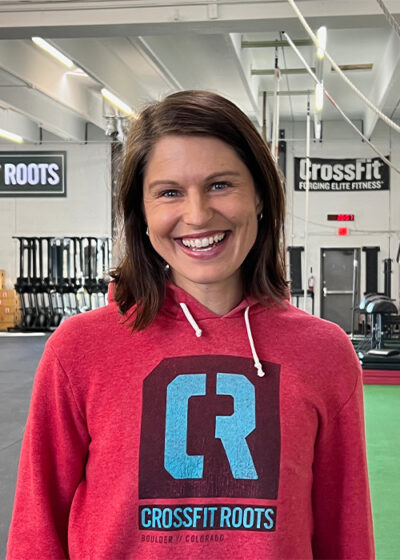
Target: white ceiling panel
<point x="143" y="50"/>
<point x="203" y="62"/>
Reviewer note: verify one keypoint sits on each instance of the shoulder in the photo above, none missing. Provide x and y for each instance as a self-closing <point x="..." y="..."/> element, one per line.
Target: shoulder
<point x="303" y="326"/>
<point x="88" y="330"/>
<point x="311" y="340"/>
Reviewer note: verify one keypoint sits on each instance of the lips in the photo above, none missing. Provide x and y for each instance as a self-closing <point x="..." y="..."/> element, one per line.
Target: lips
<point x="205" y="242"/>
<point x="208" y="242"/>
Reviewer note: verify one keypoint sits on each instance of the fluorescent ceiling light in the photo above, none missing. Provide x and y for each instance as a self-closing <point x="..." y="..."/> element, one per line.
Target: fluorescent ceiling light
<point x="116" y="101"/>
<point x="321" y="38"/>
<point x="78" y="72"/>
<point x="319" y="97"/>
<point x="53" y="51"/>
<point x="11" y="136"/>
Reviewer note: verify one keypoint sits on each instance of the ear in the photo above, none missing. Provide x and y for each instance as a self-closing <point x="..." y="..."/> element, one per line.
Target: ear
<point x="259" y="204"/>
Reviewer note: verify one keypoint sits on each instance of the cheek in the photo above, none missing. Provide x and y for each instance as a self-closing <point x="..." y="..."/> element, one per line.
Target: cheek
<point x="244" y="216"/>
<point x="161" y="221"/>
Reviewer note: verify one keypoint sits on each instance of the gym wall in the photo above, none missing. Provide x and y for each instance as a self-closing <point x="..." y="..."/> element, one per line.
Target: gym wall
<point x="86" y="210"/>
<point x="377" y="213"/>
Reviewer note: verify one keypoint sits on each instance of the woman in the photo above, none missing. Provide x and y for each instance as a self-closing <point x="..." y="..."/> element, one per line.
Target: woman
<point x="199" y="415"/>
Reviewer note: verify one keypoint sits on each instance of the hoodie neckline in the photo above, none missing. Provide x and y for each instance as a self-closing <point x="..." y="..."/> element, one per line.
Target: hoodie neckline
<point x="175" y="296"/>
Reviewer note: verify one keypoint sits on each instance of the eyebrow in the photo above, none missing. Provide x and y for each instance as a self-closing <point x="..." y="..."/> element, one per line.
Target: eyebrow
<point x="206" y="179"/>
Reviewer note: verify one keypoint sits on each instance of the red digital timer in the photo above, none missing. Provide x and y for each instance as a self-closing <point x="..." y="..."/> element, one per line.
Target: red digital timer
<point x="340" y="217"/>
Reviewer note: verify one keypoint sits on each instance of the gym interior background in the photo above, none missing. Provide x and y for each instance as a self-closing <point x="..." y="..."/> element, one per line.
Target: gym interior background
<point x="343" y="236"/>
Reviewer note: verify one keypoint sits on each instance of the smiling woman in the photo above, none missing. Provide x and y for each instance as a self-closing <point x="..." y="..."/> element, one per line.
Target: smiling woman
<point x="205" y="223"/>
<point x="198" y="415"/>
<point x="196" y="169"/>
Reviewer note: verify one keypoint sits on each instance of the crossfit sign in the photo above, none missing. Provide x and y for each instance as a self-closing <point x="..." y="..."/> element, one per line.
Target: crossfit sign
<point x="346" y="175"/>
<point x="30" y="174"/>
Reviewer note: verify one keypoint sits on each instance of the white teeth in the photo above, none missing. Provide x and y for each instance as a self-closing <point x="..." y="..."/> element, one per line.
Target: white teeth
<point x="203" y="243"/>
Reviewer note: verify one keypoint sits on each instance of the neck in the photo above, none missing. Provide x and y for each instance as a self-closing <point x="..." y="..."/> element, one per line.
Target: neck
<point x="218" y="298"/>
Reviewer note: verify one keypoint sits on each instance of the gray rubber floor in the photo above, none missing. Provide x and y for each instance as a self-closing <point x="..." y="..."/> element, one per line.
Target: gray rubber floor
<point x="19" y="357"/>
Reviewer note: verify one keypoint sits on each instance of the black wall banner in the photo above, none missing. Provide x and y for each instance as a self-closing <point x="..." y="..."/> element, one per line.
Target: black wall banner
<point x="345" y="175"/>
<point x="33" y="174"/>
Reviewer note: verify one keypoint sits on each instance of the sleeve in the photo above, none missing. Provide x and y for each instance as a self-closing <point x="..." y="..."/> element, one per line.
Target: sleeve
<point x="341" y="499"/>
<point x="52" y="463"/>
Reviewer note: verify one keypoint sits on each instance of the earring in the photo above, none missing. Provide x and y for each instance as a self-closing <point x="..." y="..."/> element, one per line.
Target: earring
<point x="260" y="216"/>
<point x="147" y="231"/>
<point x="166" y="267"/>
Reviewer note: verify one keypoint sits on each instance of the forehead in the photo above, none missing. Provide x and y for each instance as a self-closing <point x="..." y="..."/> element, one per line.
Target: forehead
<point x="177" y="154"/>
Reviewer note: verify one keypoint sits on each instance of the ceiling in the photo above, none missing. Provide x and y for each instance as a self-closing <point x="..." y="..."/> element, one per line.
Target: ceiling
<point x="143" y="50"/>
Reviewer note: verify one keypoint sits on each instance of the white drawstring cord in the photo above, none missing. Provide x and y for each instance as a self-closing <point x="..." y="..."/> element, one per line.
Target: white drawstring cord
<point x="198" y="331"/>
<point x="189" y="317"/>
<point x="257" y="363"/>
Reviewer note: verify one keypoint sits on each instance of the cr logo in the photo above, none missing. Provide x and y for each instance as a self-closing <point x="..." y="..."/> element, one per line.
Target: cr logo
<point x="231" y="430"/>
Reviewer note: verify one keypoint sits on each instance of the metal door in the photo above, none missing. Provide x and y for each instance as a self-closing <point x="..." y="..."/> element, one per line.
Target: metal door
<point x="340" y="288"/>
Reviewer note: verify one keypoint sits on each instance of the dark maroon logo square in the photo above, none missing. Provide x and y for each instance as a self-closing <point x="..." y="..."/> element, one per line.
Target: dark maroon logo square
<point x="210" y="428"/>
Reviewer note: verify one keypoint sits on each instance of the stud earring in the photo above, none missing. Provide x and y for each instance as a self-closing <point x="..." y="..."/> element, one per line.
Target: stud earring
<point x="147" y="231"/>
<point x="166" y="266"/>
<point x="260" y="216"/>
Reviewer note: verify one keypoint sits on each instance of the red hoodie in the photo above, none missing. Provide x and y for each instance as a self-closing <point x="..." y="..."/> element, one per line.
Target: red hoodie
<point x="167" y="444"/>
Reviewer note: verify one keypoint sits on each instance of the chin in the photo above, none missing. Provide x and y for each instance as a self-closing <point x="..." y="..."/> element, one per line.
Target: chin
<point x="203" y="278"/>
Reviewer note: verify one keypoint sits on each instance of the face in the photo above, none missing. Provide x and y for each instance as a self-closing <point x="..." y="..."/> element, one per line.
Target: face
<point x="201" y="209"/>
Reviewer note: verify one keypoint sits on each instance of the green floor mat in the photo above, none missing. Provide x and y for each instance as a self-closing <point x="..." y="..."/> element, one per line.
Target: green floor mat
<point x="382" y="418"/>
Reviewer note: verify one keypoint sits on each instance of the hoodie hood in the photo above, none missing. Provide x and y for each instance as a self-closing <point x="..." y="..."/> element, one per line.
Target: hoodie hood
<point x="181" y="306"/>
<point x="176" y="296"/>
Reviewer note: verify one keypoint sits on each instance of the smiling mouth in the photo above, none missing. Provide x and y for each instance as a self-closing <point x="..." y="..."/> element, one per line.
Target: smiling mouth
<point x="205" y="243"/>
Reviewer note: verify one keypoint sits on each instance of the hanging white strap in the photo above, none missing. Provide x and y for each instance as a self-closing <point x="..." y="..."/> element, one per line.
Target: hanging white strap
<point x="337" y="69"/>
<point x="389" y="17"/>
<point x="275" y="123"/>
<point x="306" y="207"/>
<point x="191" y="320"/>
<point x="331" y="100"/>
<point x="257" y="363"/>
<point x="198" y="331"/>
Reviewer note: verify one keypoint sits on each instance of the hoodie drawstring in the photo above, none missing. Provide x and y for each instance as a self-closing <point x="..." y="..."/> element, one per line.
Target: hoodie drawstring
<point x="189" y="317"/>
<point x="199" y="332"/>
<point x="257" y="363"/>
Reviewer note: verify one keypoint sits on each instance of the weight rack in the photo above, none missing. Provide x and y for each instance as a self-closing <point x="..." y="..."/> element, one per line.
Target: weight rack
<point x="59" y="277"/>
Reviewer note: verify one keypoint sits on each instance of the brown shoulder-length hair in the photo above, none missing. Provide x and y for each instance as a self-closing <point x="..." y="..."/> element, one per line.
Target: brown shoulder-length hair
<point x="141" y="275"/>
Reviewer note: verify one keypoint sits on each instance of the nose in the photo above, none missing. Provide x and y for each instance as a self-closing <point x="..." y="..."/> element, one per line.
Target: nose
<point x="197" y="210"/>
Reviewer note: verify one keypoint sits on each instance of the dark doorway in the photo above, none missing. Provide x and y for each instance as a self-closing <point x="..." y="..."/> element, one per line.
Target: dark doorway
<point x="340" y="286"/>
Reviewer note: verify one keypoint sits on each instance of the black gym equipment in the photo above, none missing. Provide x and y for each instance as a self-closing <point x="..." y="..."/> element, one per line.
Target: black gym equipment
<point x="59" y="277"/>
<point x="371" y="268"/>
<point x="380" y="346"/>
<point x="387" y="359"/>
<point x="387" y="272"/>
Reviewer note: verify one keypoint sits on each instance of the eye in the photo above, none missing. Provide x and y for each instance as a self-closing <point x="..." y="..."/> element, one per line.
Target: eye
<point x="170" y="193"/>
<point x="219" y="186"/>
